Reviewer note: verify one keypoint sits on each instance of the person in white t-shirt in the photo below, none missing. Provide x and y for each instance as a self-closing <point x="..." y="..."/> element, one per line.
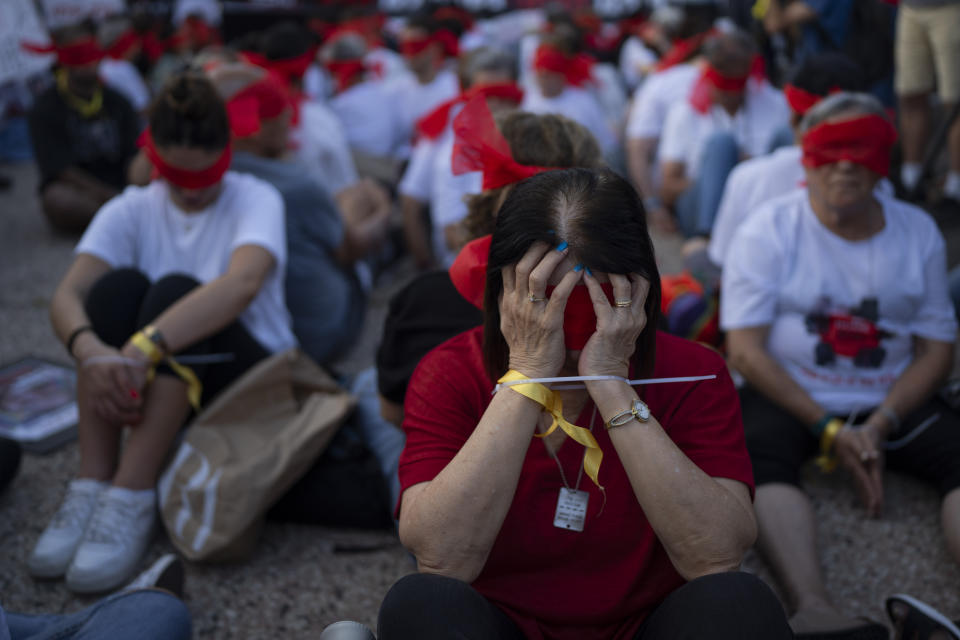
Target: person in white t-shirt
<point x="122" y="45"/>
<point x="562" y="75"/>
<point x="426" y="47"/>
<point x="728" y="117"/>
<point x="429" y="180"/>
<point x="189" y="266"/>
<point x="763" y="178"/>
<point x="836" y="309"/>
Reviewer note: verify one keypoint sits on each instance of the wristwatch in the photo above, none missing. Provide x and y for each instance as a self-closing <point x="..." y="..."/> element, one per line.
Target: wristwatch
<point x="638" y="411"/>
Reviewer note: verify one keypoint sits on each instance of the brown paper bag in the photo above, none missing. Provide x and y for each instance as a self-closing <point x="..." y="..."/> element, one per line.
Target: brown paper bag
<point x="244" y="451"/>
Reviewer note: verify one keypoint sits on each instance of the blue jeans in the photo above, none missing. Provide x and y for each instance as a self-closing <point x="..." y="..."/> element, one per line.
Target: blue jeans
<point x="697" y="206"/>
<point x="146" y="614"/>
<point x="384" y="439"/>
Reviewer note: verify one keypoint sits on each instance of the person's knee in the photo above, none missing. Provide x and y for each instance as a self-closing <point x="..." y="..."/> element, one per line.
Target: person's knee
<point x="163" y="293"/>
<point x="417" y="597"/>
<point x="67" y="209"/>
<point x="735" y="600"/>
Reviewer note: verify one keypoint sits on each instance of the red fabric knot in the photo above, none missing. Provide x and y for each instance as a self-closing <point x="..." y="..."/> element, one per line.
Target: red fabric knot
<point x="184" y="178"/>
<point x="864" y="140"/>
<point x="801" y="101"/>
<point x="76" y="54"/>
<point x="683" y="49"/>
<point x="264" y="99"/>
<point x="434" y="123"/>
<point x="479" y="146"/>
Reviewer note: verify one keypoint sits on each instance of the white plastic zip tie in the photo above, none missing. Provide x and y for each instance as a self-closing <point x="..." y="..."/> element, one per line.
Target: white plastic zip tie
<point x="632" y="383"/>
<point x="893" y="445"/>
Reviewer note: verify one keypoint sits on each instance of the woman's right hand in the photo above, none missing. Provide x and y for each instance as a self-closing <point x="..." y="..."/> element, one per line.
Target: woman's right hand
<point x="533" y="329"/>
<point x="112" y="388"/>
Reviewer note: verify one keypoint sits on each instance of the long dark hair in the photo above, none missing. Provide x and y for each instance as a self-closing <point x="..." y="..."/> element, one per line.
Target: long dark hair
<point x="189" y="113"/>
<point x="601" y="217"/>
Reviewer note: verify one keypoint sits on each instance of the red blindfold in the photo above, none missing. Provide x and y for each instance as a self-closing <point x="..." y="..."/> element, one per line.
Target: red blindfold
<point x="479" y="146"/>
<point x="866" y="141"/>
<point x="185" y="178"/>
<point x="801" y="101"/>
<point x="263" y="100"/>
<point x="469" y="275"/>
<point x="287" y="68"/>
<point x="701" y="96"/>
<point x="75" y="54"/>
<point x="576" y="69"/>
<point x="345" y="71"/>
<point x="434" y="123"/>
<point x="414" y="47"/>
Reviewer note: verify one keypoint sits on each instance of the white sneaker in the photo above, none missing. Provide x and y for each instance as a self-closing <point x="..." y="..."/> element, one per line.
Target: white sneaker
<point x="116" y="538"/>
<point x="59" y="541"/>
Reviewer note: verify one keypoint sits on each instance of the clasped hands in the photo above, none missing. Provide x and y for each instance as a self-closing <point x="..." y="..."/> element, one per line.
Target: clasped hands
<point x="111" y="382"/>
<point x="532" y="323"/>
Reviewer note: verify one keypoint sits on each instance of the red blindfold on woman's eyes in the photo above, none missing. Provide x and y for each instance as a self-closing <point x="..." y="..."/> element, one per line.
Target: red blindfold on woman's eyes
<point x="469" y="275"/>
<point x="185" y="178"/>
<point x="866" y="141"/>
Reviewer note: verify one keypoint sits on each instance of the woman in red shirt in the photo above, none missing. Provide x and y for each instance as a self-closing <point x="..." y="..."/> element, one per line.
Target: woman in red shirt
<point x="511" y="540"/>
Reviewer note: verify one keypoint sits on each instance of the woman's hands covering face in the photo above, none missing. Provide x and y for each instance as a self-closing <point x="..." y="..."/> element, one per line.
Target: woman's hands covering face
<point x="531" y="324"/>
<point x="610" y="348"/>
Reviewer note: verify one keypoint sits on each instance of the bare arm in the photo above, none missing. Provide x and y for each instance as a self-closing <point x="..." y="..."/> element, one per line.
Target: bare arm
<point x="365" y="208"/>
<point x="640" y="152"/>
<point x="748" y="354"/>
<point x="675" y="181"/>
<point x="706" y="524"/>
<point x="88" y="182"/>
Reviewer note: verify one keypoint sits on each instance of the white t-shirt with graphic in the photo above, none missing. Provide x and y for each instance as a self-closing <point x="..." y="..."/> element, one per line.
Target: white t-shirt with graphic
<point x="841" y="314"/>
<point x="141" y="228"/>
<point x="686" y="132"/>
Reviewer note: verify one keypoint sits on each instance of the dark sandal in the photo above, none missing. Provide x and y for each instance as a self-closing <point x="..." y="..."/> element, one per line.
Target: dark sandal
<point x="921" y="620"/>
<point x="869" y="630"/>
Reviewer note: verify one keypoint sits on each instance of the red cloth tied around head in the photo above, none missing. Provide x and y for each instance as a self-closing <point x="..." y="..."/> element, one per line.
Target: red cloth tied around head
<point x="433" y="124"/>
<point x="184" y="178"/>
<point x="701" y="96"/>
<point x="576" y="69"/>
<point x="414" y="47"/>
<point x="344" y="72"/>
<point x="289" y="69"/>
<point x="801" y="101"/>
<point x="683" y="49"/>
<point x="263" y="100"/>
<point x="469" y="276"/>
<point x="864" y="140"/>
<point x="122" y="45"/>
<point x="479" y="146"/>
<point x="76" y="54"/>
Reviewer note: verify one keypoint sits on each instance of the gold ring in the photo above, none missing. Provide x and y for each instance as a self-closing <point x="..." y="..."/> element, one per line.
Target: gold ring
<point x="622" y="303"/>
<point x="533" y="298"/>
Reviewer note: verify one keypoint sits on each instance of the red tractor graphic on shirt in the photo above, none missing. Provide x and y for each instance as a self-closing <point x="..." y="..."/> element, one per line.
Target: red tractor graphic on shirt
<point x="852" y="334"/>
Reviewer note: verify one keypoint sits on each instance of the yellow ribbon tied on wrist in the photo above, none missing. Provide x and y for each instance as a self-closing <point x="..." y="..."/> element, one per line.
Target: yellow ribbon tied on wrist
<point x="827" y="460"/>
<point x="553" y="405"/>
<point x="157" y="356"/>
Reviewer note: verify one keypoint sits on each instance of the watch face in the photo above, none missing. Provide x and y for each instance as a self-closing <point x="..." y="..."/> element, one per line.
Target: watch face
<point x="643" y="411"/>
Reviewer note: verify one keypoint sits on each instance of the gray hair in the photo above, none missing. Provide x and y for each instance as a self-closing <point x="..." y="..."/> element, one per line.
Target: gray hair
<point x="719" y="49"/>
<point x="843" y="102"/>
<point x="492" y="60"/>
<point x="350" y="46"/>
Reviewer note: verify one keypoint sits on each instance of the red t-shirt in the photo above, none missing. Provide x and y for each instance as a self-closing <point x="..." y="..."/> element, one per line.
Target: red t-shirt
<point x="554" y="583"/>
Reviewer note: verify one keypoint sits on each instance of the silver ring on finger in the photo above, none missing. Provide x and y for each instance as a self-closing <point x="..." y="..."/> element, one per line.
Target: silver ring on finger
<point x="622" y="303"/>
<point x="535" y="298"/>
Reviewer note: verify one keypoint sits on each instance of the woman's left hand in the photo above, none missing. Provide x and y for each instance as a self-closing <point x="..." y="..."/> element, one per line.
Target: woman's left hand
<point x="137" y="375"/>
<point x="609" y="349"/>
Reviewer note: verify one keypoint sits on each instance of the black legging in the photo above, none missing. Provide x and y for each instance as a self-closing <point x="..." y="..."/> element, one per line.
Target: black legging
<point x="719" y="606"/>
<point x="124" y="301"/>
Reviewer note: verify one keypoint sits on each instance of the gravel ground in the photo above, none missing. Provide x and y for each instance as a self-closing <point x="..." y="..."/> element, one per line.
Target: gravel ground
<point x="302" y="578"/>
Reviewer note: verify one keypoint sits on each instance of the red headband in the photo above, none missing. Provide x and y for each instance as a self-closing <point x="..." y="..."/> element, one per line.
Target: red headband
<point x="185" y="178"/>
<point x="683" y="49"/>
<point x="701" y="96"/>
<point x="479" y="146"/>
<point x="576" y="69"/>
<point x="345" y="71"/>
<point x="265" y="99"/>
<point x="122" y="45"/>
<point x="801" y="101"/>
<point x="469" y="275"/>
<point x="865" y="140"/>
<point x="446" y="39"/>
<point x="287" y="68"/>
<point x="77" y="54"/>
<point x="435" y="122"/>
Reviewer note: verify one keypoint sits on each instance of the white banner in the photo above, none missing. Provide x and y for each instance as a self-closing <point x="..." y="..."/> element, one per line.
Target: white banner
<point x="60" y="13"/>
<point x="19" y="21"/>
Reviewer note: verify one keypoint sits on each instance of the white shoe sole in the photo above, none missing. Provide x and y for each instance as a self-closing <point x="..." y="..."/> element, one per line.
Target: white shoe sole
<point x="926" y="610"/>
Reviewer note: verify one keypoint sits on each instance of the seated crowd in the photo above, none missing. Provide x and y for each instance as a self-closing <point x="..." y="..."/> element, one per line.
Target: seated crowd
<point x="243" y="194"/>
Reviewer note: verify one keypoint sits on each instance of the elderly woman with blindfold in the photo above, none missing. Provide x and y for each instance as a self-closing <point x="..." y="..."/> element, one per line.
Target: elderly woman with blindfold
<point x="835" y="302"/>
<point x="581" y="508"/>
<point x="189" y="267"/>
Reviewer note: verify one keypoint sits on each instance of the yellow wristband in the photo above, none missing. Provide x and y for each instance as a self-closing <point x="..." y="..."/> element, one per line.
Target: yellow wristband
<point x="827" y="460"/>
<point x="552" y="403"/>
<point x="146" y="346"/>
